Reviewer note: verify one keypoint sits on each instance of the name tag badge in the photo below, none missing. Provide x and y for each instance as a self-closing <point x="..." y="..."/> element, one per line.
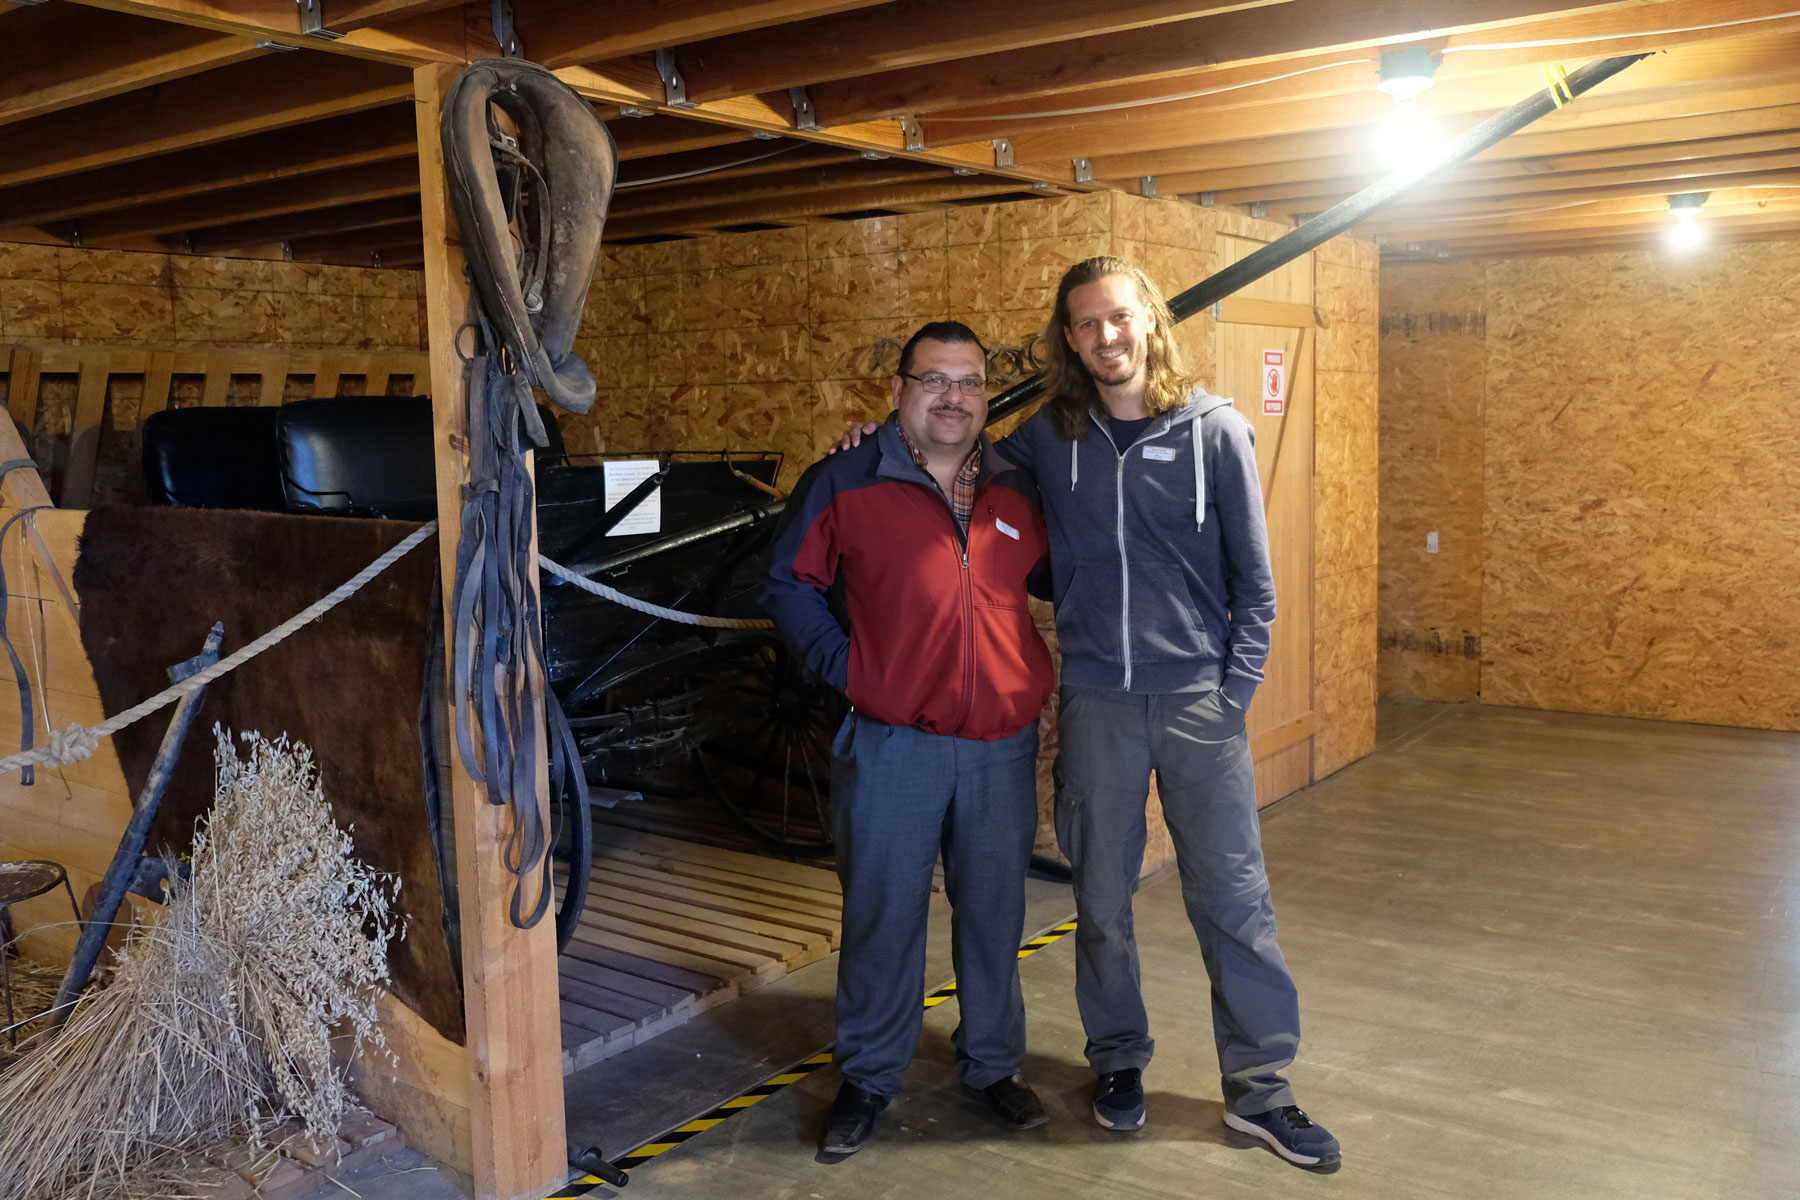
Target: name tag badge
<point x="1160" y="453"/>
<point x="1008" y="530"/>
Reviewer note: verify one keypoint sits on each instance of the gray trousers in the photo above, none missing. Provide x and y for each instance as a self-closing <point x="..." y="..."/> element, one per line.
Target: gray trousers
<point x="900" y="797"/>
<point x="1196" y="744"/>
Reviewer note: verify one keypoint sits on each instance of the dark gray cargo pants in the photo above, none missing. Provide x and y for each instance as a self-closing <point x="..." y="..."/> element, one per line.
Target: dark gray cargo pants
<point x="1196" y="744"/>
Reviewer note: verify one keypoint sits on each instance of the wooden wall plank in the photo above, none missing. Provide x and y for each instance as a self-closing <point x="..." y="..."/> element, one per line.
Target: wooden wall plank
<point x="22" y="385"/>
<point x="157" y="379"/>
<point x="84" y="438"/>
<point x="218" y="381"/>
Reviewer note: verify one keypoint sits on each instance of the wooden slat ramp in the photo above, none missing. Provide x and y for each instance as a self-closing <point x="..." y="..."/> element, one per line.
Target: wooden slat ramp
<point x="673" y="928"/>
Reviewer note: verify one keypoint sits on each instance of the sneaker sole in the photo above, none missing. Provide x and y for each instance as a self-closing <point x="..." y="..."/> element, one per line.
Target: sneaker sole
<point x="1120" y="1126"/>
<point x="1233" y="1121"/>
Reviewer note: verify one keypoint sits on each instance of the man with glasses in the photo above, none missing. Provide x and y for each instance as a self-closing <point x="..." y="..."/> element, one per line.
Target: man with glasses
<point x="899" y="573"/>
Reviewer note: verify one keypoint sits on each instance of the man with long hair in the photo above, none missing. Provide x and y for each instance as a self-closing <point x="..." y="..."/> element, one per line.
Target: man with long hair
<point x="1164" y="602"/>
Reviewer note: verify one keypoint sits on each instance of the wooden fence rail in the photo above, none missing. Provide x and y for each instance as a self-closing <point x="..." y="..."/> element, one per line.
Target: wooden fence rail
<point x="97" y="366"/>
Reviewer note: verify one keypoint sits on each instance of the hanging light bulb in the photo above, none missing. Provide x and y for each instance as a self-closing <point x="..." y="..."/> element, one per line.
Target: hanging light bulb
<point x="1687" y="232"/>
<point x="1409" y="132"/>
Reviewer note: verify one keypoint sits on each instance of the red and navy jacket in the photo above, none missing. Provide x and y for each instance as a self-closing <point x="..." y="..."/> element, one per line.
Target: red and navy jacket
<point x="872" y="583"/>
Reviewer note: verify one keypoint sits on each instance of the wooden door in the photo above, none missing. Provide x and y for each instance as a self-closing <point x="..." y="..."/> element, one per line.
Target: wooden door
<point x="1249" y="330"/>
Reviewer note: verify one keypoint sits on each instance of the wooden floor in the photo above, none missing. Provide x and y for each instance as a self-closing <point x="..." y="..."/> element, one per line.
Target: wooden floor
<point x="673" y="927"/>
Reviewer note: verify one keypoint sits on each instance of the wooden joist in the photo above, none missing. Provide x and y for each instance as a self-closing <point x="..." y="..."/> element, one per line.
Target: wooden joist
<point x="273" y="92"/>
<point x="323" y="191"/>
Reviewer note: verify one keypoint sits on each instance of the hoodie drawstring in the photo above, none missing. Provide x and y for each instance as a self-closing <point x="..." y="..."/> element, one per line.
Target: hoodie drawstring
<point x="1199" y="475"/>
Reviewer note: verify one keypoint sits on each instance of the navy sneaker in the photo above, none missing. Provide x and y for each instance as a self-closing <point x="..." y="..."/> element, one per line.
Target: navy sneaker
<point x="1290" y="1133"/>
<point x="1119" y="1099"/>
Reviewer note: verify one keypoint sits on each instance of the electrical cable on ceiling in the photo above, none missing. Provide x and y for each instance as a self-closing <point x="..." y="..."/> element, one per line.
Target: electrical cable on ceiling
<point x="1546" y="43"/>
<point x="621" y="186"/>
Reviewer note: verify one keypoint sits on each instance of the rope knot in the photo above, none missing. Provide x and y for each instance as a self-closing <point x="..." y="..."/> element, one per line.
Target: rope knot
<point x="70" y="745"/>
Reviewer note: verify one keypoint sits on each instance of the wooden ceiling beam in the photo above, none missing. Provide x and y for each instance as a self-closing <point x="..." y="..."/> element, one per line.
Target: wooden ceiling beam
<point x="648" y="137"/>
<point x="823" y="180"/>
<point x="357" y="140"/>
<point x="1666" y="87"/>
<point x="591" y="33"/>
<point x="438" y="36"/>
<point x="278" y="91"/>
<point x="1531" y="143"/>
<point x="396" y="233"/>
<point x="1736" y="205"/>
<point x="318" y="222"/>
<point x="919" y="33"/>
<point x="1672" y="175"/>
<point x="58" y="56"/>
<point x="1246" y="37"/>
<point x="1344" y="174"/>
<point x="1644" y="237"/>
<point x="351" y="185"/>
<point x="857" y="199"/>
<point x="703" y="168"/>
<point x="1340" y="72"/>
<point x="775" y="114"/>
<point x="1501" y="208"/>
<point x="345" y="16"/>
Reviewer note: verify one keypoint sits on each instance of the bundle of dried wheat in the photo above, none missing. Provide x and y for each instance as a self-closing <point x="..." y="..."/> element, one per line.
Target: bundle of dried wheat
<point x="219" y="1018"/>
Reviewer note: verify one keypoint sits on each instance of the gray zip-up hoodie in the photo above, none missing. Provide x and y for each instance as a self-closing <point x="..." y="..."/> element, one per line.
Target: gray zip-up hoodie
<point x="1158" y="550"/>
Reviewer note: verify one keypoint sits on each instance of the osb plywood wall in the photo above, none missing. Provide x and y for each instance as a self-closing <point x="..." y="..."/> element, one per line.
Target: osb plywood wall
<point x="1640" y="505"/>
<point x="776" y="340"/>
<point x="1433" y="389"/>
<point x="1346" y="492"/>
<point x="67" y="295"/>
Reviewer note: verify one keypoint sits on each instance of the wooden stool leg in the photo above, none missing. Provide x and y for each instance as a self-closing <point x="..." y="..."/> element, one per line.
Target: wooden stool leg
<point x="74" y="906"/>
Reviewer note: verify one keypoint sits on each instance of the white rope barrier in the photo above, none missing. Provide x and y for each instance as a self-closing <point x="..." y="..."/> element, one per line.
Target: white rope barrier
<point x="644" y="606"/>
<point x="77" y="742"/>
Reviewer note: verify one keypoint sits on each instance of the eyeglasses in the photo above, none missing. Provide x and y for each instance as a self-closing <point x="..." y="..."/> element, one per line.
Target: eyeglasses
<point x="937" y="384"/>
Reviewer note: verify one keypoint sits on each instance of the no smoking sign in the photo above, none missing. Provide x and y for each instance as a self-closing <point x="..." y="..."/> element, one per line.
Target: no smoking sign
<point x="1274" y="382"/>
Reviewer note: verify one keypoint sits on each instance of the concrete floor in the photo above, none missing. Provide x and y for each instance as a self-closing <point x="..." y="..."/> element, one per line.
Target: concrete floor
<point x="1539" y="955"/>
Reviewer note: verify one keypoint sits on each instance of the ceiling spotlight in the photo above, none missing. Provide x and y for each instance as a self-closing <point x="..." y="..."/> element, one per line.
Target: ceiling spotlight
<point x="1409" y="132"/>
<point x="1406" y="73"/>
<point x="1687" y="232"/>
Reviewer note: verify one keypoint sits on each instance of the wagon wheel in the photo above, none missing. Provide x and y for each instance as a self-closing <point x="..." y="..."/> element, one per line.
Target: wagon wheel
<point x="765" y="752"/>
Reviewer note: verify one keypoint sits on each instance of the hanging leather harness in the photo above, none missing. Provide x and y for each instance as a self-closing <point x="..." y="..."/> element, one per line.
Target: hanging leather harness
<point x="531" y="205"/>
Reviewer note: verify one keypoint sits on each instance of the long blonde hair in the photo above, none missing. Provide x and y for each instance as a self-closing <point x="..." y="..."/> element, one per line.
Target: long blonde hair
<point x="1067" y="382"/>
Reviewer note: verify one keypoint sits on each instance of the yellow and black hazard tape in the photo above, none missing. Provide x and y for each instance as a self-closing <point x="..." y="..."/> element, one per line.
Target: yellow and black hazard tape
<point x="753" y="1096"/>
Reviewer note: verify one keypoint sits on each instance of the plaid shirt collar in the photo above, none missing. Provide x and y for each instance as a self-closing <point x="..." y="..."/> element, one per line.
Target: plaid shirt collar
<point x="962" y="489"/>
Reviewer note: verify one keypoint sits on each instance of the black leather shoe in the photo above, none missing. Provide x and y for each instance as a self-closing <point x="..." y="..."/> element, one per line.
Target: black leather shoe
<point x="1015" y="1103"/>
<point x="851" y="1122"/>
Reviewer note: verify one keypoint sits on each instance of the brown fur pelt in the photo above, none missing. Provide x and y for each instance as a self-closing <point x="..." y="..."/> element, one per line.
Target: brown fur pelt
<point x="151" y="582"/>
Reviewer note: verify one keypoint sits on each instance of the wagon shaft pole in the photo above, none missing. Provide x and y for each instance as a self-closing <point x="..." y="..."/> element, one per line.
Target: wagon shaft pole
<point x="123" y="868"/>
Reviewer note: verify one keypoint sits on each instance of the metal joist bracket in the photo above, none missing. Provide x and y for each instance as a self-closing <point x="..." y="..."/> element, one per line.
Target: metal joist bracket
<point x="1147" y="186"/>
<point x="1084" y="169"/>
<point x="804" y="118"/>
<point x="1258" y="209"/>
<point x="504" y="34"/>
<point x="1208" y="199"/>
<point x="312" y="21"/>
<point x="1003" y="153"/>
<point x="909" y="129"/>
<point x="674" y="86"/>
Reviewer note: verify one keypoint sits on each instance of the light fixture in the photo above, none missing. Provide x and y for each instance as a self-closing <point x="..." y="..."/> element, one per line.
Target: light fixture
<point x="1409" y="132"/>
<point x="1687" y="232"/>
<point x="1406" y="73"/>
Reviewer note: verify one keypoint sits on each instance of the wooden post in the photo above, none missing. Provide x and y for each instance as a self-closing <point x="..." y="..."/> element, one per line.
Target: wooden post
<point x="509" y="975"/>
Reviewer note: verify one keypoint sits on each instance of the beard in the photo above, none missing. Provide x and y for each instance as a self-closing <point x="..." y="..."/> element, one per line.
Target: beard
<point x="1118" y="371"/>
